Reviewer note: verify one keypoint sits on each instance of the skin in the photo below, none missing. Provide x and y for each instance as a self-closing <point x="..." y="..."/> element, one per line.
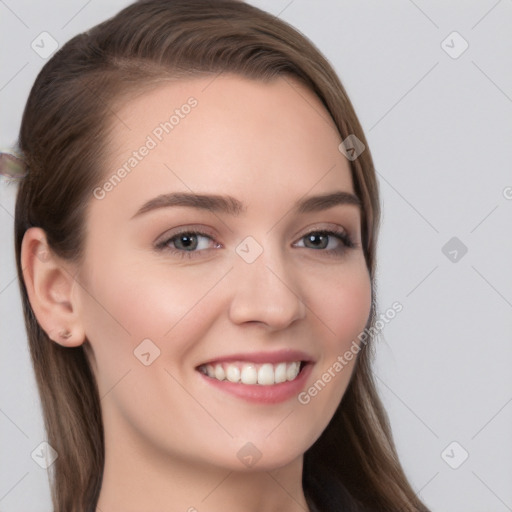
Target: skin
<point x="171" y="438"/>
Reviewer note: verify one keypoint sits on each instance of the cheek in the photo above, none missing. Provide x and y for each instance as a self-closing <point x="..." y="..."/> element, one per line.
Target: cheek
<point x="131" y="302"/>
<point x="342" y="303"/>
<point x="342" y="307"/>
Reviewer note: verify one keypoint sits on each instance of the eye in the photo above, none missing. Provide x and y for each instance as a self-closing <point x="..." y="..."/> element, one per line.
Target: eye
<point x="332" y="242"/>
<point x="191" y="243"/>
<point x="186" y="243"/>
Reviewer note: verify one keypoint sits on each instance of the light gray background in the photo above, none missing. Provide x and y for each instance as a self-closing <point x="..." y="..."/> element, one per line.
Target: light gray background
<point x="440" y="132"/>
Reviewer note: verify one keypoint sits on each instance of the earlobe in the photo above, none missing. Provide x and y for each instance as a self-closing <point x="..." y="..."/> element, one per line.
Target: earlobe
<point x="50" y="285"/>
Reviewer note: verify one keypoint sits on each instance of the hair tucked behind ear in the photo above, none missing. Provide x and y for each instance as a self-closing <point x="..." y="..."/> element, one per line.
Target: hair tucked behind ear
<point x="64" y="138"/>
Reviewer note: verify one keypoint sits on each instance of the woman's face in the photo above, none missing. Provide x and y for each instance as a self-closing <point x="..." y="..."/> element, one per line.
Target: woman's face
<point x="261" y="284"/>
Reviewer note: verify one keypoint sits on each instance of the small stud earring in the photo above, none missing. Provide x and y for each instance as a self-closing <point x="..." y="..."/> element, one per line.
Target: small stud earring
<point x="65" y="334"/>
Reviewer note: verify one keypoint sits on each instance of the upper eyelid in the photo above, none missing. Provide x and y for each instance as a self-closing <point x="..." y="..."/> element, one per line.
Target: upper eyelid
<point x="328" y="226"/>
<point x="200" y="231"/>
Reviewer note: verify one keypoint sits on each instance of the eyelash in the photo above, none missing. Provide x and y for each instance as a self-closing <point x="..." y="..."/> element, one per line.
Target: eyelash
<point x="345" y="239"/>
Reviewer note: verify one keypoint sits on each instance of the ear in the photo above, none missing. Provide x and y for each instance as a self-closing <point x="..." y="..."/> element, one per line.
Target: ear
<point x="52" y="290"/>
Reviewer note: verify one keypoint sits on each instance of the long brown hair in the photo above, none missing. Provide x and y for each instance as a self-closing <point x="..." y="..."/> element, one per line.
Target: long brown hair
<point x="64" y="140"/>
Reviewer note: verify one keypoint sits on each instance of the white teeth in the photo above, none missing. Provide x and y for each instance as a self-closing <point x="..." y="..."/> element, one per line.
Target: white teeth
<point x="249" y="374"/>
<point x="233" y="373"/>
<point x="280" y="373"/>
<point x="220" y="374"/>
<point x="266" y="374"/>
<point x="292" y="370"/>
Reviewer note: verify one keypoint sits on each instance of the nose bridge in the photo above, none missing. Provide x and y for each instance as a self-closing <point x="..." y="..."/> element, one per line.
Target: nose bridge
<point x="266" y="288"/>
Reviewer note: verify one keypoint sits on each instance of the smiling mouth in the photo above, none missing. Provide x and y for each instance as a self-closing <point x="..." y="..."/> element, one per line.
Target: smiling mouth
<point x="265" y="374"/>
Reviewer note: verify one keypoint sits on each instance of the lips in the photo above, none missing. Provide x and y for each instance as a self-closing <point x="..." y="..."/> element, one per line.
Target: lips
<point x="262" y="368"/>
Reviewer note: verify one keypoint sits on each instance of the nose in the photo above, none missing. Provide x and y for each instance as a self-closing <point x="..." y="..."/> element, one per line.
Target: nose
<point x="266" y="291"/>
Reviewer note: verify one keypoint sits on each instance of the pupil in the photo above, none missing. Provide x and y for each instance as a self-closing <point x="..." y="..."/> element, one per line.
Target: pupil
<point x="188" y="241"/>
<point x="313" y="237"/>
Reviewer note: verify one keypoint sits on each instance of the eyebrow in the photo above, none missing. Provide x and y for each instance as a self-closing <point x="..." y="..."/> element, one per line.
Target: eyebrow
<point x="232" y="206"/>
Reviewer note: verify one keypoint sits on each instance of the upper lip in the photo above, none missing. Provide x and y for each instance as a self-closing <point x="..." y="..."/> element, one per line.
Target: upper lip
<point x="279" y="356"/>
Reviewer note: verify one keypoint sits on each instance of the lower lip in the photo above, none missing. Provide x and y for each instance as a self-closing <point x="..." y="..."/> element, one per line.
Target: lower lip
<point x="263" y="394"/>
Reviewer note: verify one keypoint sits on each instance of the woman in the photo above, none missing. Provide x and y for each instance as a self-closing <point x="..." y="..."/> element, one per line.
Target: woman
<point x="195" y="242"/>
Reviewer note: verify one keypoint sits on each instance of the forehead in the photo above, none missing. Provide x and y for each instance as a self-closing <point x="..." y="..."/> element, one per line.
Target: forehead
<point x="261" y="141"/>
